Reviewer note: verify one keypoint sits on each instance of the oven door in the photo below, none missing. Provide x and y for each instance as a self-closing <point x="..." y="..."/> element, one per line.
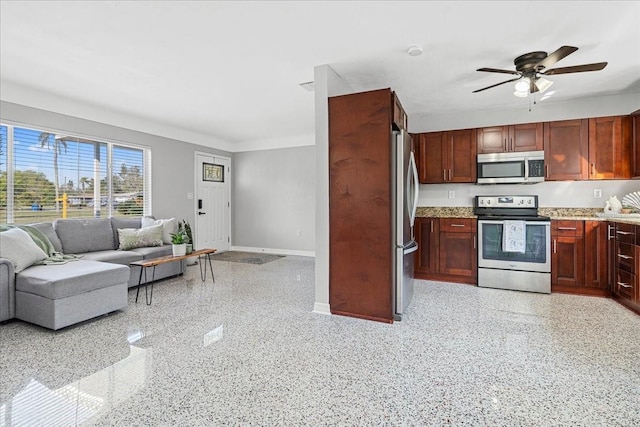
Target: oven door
<point x="537" y="255"/>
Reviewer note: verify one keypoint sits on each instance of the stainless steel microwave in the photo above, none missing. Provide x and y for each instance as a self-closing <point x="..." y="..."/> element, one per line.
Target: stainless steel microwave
<point x="525" y="167"/>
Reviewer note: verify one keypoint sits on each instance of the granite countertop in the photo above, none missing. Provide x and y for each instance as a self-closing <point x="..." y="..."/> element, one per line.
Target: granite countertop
<point x="589" y="214"/>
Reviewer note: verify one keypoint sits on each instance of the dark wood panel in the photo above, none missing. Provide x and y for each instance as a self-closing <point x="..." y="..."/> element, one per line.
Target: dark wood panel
<point x="609" y="147"/>
<point x="360" y="258"/>
<point x="462" y="161"/>
<point x="526" y="137"/>
<point x="432" y="157"/>
<point x="492" y="139"/>
<point x="596" y="272"/>
<point x="566" y="145"/>
<point x="567" y="261"/>
<point x="461" y="255"/>
<point x="428" y="236"/>
<point x="635" y="144"/>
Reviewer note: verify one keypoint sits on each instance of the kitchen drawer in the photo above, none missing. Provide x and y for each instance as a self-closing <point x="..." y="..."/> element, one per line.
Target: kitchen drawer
<point x="625" y="285"/>
<point x="626" y="233"/>
<point x="457" y="225"/>
<point x="568" y="227"/>
<point x="626" y="257"/>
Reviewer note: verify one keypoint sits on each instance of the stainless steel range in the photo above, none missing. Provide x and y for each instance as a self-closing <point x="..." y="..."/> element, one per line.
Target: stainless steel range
<point x="514" y="250"/>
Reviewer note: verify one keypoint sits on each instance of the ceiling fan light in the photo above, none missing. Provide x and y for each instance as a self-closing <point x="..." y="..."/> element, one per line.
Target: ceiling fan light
<point x="523" y="85"/>
<point x="543" y="84"/>
<point x="521" y="94"/>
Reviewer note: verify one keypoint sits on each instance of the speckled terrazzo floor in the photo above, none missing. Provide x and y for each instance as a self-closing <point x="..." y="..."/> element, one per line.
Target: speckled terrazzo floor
<point x="248" y="351"/>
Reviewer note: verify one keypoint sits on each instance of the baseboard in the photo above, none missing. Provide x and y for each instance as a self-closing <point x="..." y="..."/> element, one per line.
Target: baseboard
<point x="322" y="308"/>
<point x="274" y="251"/>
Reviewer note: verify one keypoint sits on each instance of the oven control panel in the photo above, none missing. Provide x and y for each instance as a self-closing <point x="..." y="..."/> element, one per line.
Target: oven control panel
<point x="507" y="201"/>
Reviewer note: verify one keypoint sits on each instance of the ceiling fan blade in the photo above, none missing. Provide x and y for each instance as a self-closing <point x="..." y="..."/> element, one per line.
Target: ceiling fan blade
<point x="497" y="84"/>
<point x="576" y="69"/>
<point x="496" y="70"/>
<point x="556" y="56"/>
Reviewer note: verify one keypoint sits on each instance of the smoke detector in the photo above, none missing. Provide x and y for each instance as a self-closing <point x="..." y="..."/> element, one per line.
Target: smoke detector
<point x="415" y="50"/>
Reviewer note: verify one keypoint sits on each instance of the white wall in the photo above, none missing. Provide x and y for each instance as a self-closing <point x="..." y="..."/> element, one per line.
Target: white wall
<point x="274" y="199"/>
<point x="172" y="160"/>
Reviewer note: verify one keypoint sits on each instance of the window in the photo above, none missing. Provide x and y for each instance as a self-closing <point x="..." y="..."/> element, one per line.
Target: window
<point x="46" y="175"/>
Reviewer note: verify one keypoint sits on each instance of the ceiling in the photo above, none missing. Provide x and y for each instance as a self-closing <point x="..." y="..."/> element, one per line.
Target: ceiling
<point x="227" y="73"/>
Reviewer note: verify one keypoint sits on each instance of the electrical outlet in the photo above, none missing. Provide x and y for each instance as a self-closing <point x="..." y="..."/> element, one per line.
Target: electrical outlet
<point x="452" y="194"/>
<point x="597" y="193"/>
<point x="189" y="196"/>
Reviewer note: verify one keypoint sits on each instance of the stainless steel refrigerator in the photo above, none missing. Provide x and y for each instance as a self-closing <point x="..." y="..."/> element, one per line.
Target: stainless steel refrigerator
<point x="405" y="190"/>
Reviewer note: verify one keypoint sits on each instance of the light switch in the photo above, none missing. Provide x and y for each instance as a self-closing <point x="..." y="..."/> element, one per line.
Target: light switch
<point x="189" y="196"/>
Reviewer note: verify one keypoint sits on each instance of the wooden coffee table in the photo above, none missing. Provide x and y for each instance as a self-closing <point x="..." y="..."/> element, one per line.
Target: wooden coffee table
<point x="147" y="263"/>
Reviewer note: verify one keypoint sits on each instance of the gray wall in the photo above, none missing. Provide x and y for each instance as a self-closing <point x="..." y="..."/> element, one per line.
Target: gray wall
<point x="273" y="195"/>
<point x="172" y="161"/>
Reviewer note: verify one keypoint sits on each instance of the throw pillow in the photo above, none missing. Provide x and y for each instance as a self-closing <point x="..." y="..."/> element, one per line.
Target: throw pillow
<point x="169" y="226"/>
<point x="131" y="238"/>
<point x="17" y="246"/>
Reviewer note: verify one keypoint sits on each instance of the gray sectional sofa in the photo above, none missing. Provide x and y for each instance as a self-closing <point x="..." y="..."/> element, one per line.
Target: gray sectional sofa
<point x="61" y="294"/>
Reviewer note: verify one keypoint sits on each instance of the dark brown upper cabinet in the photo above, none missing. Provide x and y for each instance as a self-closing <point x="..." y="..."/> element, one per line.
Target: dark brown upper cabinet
<point x="566" y="148"/>
<point x="503" y="139"/>
<point x="610" y="147"/>
<point x="635" y="144"/>
<point x="448" y="156"/>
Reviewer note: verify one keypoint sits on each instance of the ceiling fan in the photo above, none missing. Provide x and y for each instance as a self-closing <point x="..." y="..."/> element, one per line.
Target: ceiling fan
<point x="532" y="66"/>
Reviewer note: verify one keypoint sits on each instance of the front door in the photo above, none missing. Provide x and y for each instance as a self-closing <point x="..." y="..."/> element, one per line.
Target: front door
<point x="213" y="225"/>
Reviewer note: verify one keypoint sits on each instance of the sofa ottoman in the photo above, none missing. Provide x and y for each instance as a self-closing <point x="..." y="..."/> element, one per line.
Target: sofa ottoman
<point x="55" y="296"/>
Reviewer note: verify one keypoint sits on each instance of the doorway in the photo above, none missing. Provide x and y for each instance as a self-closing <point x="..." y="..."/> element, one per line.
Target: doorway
<point x="213" y="205"/>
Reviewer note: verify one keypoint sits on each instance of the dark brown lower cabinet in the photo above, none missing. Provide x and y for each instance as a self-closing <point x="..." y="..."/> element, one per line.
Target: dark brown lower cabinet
<point x="447" y="250"/>
<point x="579" y="257"/>
<point x="627" y="266"/>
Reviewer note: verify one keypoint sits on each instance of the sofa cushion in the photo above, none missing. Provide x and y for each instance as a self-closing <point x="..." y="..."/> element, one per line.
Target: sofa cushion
<point x="18" y="247"/>
<point x="169" y="226"/>
<point x="140" y="237"/>
<point x="153" y="252"/>
<point x="79" y="235"/>
<point x="113" y="256"/>
<point x="46" y="228"/>
<point x="63" y="280"/>
<point x="123" y="222"/>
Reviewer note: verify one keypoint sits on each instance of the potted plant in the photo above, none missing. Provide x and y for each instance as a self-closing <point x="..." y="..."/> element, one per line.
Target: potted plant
<point x="187" y="229"/>
<point x="178" y="241"/>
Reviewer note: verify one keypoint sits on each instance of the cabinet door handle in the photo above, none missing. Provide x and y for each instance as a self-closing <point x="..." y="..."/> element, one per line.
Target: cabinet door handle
<point x="432" y="226"/>
<point x="444" y="174"/>
<point x="457" y="225"/>
<point x="625" y="233"/>
<point x="624" y="285"/>
<point x="546" y="168"/>
<point x="624" y="256"/>
<point x="450" y="174"/>
<point x="593" y="169"/>
<point x="474" y="241"/>
<point x="567" y="228"/>
<point x="505" y="145"/>
<point x="512" y="148"/>
<point x="609" y="230"/>
<point x="554" y="246"/>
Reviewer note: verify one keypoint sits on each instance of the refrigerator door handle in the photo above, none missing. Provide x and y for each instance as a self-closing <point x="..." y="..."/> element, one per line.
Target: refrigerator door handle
<point x="416" y="187"/>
